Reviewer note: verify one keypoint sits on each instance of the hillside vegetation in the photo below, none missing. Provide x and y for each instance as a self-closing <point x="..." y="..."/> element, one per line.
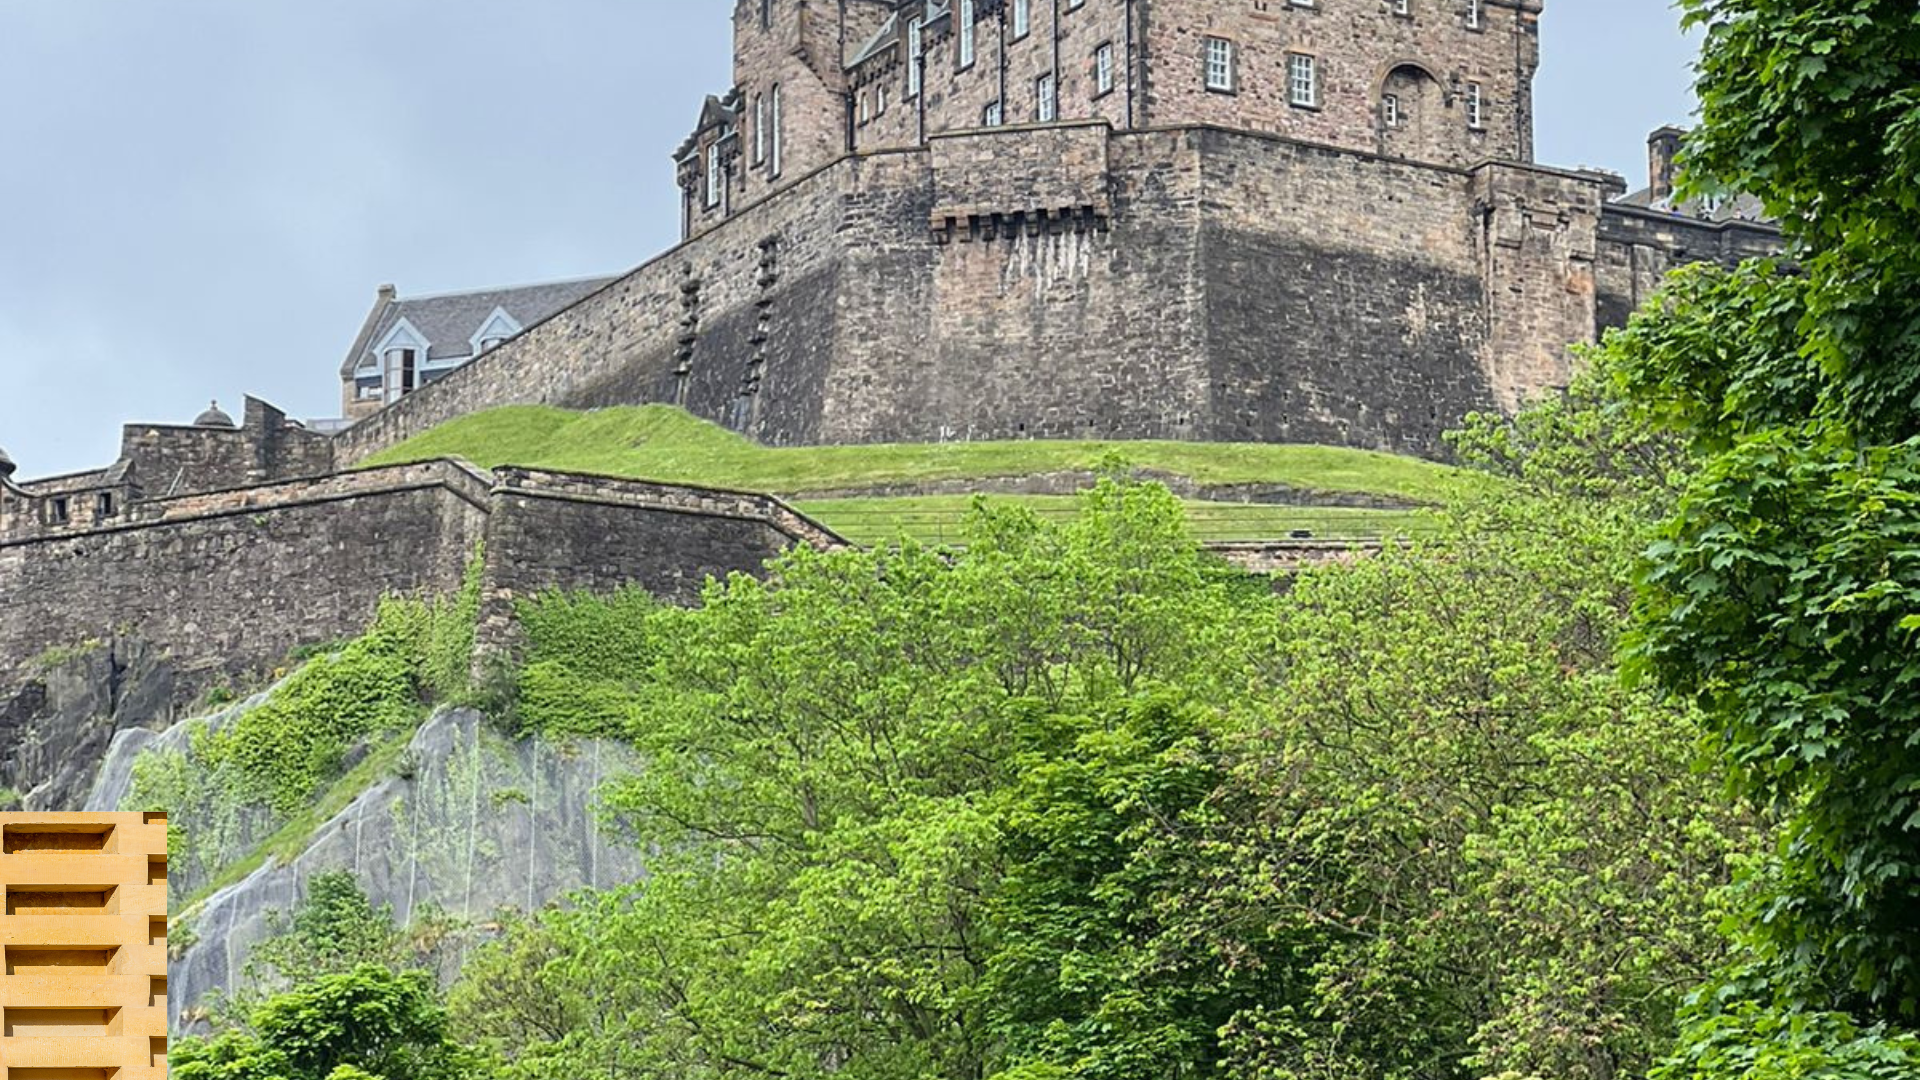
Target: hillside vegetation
<point x="660" y="442"/>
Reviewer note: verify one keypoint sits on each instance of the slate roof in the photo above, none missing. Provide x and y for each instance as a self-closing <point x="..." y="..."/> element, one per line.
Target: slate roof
<point x="448" y="321"/>
<point x="1738" y="208"/>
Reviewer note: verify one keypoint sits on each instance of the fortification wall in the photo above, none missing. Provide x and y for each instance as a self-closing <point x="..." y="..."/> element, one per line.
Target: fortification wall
<point x="1637" y="247"/>
<point x="1072" y="281"/>
<point x="704" y="325"/>
<point x="230" y="582"/>
<point x="1345" y="299"/>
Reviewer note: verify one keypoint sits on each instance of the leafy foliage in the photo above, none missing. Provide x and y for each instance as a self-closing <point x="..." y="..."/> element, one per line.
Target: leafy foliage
<point x="365" y="1022"/>
<point x="234" y="787"/>
<point x="1782" y="595"/>
<point x="1079" y="802"/>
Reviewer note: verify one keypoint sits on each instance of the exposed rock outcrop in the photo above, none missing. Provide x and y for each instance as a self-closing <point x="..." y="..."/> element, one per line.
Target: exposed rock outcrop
<point x="470" y="823"/>
<point x="56" y="726"/>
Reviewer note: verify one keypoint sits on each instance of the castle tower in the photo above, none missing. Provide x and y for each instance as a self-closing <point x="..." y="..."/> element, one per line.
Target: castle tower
<point x="1443" y="82"/>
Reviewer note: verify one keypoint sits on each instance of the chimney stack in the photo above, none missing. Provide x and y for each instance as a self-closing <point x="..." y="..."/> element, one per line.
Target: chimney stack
<point x="1663" y="146"/>
<point x="387" y="294"/>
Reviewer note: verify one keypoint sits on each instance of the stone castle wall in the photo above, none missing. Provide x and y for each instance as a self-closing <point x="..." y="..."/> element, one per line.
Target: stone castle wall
<point x="1074" y="281"/>
<point x="230" y="582"/>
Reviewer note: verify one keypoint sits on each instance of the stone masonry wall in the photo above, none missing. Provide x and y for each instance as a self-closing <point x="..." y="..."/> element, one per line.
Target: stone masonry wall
<point x="562" y="531"/>
<point x="1637" y="247"/>
<point x="231" y="582"/>
<point x="1186" y="283"/>
<point x="1327" y="320"/>
<point x="1357" y="45"/>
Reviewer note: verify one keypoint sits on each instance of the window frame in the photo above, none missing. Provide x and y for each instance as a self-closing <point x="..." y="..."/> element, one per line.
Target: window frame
<point x="775" y="143"/>
<point x="1295" y="60"/>
<point x="1476" y="15"/>
<point x="759" y="129"/>
<point x="1046" y="99"/>
<point x="710" y="186"/>
<point x="916" y="54"/>
<point x="1103" y="80"/>
<point x="992" y="114"/>
<point x="1227" y="65"/>
<point x="1390" y="112"/>
<point x="1476" y="96"/>
<point x="964" y="49"/>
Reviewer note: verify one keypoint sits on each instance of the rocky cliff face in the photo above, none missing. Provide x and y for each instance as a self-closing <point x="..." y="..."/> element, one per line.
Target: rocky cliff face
<point x="56" y="726"/>
<point x="469" y="823"/>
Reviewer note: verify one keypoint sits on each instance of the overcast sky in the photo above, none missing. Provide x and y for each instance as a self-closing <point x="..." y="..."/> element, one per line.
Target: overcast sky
<point x="198" y="198"/>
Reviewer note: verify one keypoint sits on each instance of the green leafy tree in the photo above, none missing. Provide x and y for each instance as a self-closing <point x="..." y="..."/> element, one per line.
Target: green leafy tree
<point x="1078" y="801"/>
<point x="366" y="1022"/>
<point x="1784" y="595"/>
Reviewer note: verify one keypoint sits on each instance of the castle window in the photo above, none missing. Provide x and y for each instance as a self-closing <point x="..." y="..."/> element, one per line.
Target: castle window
<point x="965" y="15"/>
<point x="759" y="130"/>
<point x="914" y="57"/>
<point x="400" y="371"/>
<point x="990" y="116"/>
<point x="773" y="132"/>
<point x="766" y="14"/>
<point x="1220" y="64"/>
<point x="1476" y="107"/>
<point x="1022" y="18"/>
<point x="880" y="101"/>
<point x="1390" y="110"/>
<point x="865" y="115"/>
<point x="57" y="510"/>
<point x="1046" y="106"/>
<point x="1103" y="69"/>
<point x="1403" y="7"/>
<point x="1303" y="81"/>
<point x="103" y="505"/>
<point x="713" y="175"/>
<point x="1476" y="14"/>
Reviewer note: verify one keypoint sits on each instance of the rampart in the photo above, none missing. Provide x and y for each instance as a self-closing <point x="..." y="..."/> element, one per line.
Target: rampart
<point x="1076" y="281"/>
<point x="229" y="582"/>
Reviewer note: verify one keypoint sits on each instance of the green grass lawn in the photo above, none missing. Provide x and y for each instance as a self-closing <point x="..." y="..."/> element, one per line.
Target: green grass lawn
<point x="937" y="519"/>
<point x="660" y="442"/>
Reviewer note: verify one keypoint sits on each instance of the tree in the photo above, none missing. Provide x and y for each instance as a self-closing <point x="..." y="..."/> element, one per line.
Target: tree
<point x="1784" y="594"/>
<point x="366" y="1022"/>
<point x="1078" y="801"/>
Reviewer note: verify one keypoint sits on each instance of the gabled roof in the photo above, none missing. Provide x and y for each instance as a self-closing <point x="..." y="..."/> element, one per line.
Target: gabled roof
<point x="894" y="29"/>
<point x="449" y="321"/>
<point x="888" y="34"/>
<point x="717" y="112"/>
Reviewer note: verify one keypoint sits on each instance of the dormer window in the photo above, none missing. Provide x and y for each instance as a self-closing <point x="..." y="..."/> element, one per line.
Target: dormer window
<point x="103" y="505"/>
<point x="57" y="510"/>
<point x="713" y="175"/>
<point x="403" y="367"/>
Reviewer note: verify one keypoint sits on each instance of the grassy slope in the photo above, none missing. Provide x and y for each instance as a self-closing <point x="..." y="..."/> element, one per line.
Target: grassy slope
<point x="659" y="442"/>
<point x="936" y="519"/>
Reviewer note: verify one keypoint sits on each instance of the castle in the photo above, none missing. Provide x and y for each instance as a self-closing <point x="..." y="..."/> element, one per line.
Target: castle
<point x="1270" y="220"/>
<point x="1311" y="221"/>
